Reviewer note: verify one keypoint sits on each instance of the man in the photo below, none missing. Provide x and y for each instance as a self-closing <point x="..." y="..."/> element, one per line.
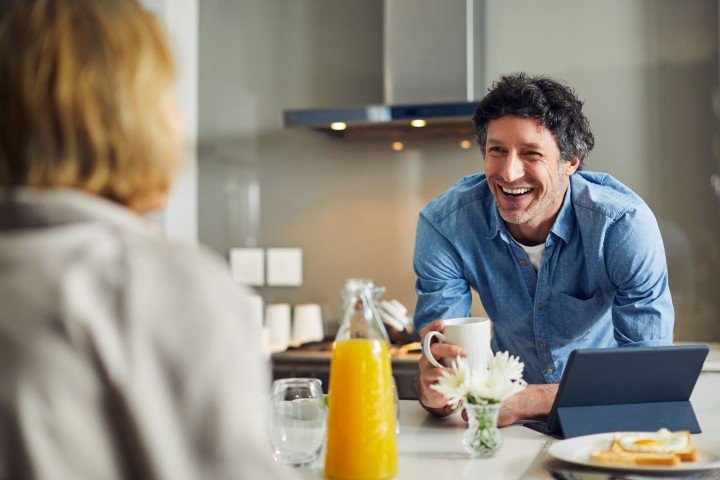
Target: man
<point x="561" y="258"/>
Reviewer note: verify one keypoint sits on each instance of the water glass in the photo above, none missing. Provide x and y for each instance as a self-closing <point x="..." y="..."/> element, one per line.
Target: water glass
<point x="297" y="420"/>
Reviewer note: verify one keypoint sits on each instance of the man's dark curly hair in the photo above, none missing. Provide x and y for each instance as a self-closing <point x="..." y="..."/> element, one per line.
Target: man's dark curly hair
<point x="553" y="104"/>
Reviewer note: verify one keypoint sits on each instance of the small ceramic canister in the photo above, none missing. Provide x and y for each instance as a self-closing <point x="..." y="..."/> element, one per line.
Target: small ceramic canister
<point x="307" y="323"/>
<point x="277" y="321"/>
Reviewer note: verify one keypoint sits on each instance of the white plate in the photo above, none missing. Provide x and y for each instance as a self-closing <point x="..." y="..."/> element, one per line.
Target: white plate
<point x="577" y="450"/>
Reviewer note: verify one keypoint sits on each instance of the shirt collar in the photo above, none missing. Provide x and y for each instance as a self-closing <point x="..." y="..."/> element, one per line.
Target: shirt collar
<point x="563" y="226"/>
<point x="565" y="221"/>
<point x="495" y="220"/>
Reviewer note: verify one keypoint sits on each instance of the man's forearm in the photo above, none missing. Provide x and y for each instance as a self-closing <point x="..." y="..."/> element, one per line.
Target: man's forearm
<point x="532" y="403"/>
<point x="539" y="400"/>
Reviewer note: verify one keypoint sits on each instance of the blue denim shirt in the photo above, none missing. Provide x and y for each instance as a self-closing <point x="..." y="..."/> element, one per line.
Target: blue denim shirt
<point x="602" y="282"/>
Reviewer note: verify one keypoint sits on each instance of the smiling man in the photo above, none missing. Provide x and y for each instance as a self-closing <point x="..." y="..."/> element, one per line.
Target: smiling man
<point x="561" y="258"/>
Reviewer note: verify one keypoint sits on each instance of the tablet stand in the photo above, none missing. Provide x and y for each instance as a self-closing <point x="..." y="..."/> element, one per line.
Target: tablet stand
<point x="639" y="417"/>
<point x="626" y="389"/>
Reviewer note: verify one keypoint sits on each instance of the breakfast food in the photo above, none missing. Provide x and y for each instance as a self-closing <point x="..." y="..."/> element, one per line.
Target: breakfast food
<point x="662" y="441"/>
<point x="661" y="448"/>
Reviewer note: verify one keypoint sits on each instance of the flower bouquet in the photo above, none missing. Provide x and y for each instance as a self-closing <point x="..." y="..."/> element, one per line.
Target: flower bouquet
<point x="482" y="391"/>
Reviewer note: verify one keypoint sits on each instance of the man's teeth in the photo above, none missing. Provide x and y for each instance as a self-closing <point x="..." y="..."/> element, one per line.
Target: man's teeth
<point x="515" y="191"/>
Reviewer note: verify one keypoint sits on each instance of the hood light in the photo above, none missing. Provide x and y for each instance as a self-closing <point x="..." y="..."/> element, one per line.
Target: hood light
<point x="338" y="126"/>
<point x="397" y="146"/>
<point x="465" y="144"/>
<point x="418" y="123"/>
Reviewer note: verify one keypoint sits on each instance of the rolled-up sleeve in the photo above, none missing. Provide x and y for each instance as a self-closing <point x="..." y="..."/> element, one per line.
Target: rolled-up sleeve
<point x="642" y="311"/>
<point x="441" y="287"/>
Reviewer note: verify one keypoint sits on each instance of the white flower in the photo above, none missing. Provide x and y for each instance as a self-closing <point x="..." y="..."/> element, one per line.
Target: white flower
<point x="506" y="365"/>
<point x="454" y="386"/>
<point x="494" y="387"/>
<point x="500" y="380"/>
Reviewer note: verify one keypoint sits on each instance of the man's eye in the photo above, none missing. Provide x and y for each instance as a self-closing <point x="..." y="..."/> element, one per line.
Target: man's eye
<point x="532" y="154"/>
<point x="495" y="150"/>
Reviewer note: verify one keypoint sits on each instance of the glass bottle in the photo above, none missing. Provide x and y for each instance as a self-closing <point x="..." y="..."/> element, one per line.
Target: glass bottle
<point x="361" y="442"/>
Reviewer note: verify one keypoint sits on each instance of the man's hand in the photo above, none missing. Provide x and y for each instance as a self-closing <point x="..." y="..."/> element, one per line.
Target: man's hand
<point x="435" y="402"/>
<point x="532" y="403"/>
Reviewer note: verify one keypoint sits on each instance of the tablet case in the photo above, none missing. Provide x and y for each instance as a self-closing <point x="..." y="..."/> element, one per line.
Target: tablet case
<point x="626" y="389"/>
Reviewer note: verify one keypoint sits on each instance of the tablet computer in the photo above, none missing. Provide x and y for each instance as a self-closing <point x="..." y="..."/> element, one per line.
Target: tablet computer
<point x="632" y="388"/>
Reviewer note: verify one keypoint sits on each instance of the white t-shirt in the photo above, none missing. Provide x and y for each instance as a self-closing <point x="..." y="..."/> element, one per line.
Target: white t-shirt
<point x="535" y="254"/>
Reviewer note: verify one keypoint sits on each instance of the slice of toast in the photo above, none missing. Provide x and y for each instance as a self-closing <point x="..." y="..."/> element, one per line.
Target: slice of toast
<point x="617" y="455"/>
<point x="687" y="454"/>
<point x="609" y="457"/>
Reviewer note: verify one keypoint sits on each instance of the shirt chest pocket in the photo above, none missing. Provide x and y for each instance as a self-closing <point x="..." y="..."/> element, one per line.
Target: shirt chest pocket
<point x="577" y="315"/>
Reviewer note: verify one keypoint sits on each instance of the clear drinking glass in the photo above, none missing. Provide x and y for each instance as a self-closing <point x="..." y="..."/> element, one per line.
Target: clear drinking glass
<point x="297" y="420"/>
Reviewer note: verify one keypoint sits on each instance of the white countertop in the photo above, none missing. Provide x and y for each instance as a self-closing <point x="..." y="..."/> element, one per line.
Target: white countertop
<point x="712" y="362"/>
<point x="430" y="447"/>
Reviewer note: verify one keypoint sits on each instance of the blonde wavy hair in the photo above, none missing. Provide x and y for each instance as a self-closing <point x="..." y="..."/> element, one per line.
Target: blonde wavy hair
<point x="84" y="88"/>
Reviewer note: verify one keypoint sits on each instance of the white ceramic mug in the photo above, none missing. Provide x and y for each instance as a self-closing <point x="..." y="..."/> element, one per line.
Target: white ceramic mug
<point x="470" y="333"/>
<point x="307" y="323"/>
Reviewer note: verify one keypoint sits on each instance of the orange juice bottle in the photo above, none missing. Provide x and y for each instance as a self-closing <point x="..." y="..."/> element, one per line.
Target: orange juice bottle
<point x="361" y="441"/>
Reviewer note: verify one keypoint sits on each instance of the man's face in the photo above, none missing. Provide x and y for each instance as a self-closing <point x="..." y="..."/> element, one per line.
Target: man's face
<point x="525" y="172"/>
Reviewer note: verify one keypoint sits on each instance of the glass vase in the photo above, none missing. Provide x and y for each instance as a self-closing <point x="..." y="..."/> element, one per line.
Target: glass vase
<point x="482" y="439"/>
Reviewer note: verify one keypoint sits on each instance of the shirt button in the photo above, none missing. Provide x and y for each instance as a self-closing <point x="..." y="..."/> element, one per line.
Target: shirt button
<point x="543" y="345"/>
<point x="523" y="263"/>
<point x="549" y="371"/>
<point x="540" y="306"/>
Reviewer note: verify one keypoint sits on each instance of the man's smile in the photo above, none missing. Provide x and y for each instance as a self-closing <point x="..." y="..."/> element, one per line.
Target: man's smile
<point x="515" y="192"/>
<point x="517" y="201"/>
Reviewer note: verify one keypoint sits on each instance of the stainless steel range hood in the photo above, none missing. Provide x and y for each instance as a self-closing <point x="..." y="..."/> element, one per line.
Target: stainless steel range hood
<point x="433" y="77"/>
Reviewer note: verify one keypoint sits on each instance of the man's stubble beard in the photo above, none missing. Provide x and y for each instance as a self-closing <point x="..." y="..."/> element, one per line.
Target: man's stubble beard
<point x="538" y="205"/>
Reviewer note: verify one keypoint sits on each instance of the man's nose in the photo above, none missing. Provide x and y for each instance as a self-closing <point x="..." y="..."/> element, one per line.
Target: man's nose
<point x="513" y="168"/>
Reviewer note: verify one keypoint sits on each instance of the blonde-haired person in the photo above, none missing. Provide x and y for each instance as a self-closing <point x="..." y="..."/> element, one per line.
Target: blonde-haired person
<point x="121" y="355"/>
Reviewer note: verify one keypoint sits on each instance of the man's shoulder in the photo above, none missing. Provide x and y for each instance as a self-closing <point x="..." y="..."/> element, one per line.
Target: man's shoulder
<point x="602" y="194"/>
<point x="469" y="191"/>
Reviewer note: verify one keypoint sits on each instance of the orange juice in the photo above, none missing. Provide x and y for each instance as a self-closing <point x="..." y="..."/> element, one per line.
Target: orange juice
<point x="361" y="417"/>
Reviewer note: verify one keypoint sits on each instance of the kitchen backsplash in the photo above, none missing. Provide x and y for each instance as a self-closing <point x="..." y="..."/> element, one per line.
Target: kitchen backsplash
<point x="350" y="205"/>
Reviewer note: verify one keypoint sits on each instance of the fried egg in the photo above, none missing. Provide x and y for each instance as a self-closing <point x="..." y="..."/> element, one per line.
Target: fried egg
<point x="662" y="441"/>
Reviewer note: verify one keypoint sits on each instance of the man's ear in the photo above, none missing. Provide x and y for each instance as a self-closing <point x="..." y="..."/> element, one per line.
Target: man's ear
<point x="571" y="165"/>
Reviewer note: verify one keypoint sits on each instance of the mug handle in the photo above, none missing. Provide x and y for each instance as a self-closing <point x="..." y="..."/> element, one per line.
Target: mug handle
<point x="426" y="342"/>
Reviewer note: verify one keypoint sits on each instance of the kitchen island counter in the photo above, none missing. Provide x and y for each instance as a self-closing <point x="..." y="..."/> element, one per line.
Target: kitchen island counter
<point x="431" y="448"/>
